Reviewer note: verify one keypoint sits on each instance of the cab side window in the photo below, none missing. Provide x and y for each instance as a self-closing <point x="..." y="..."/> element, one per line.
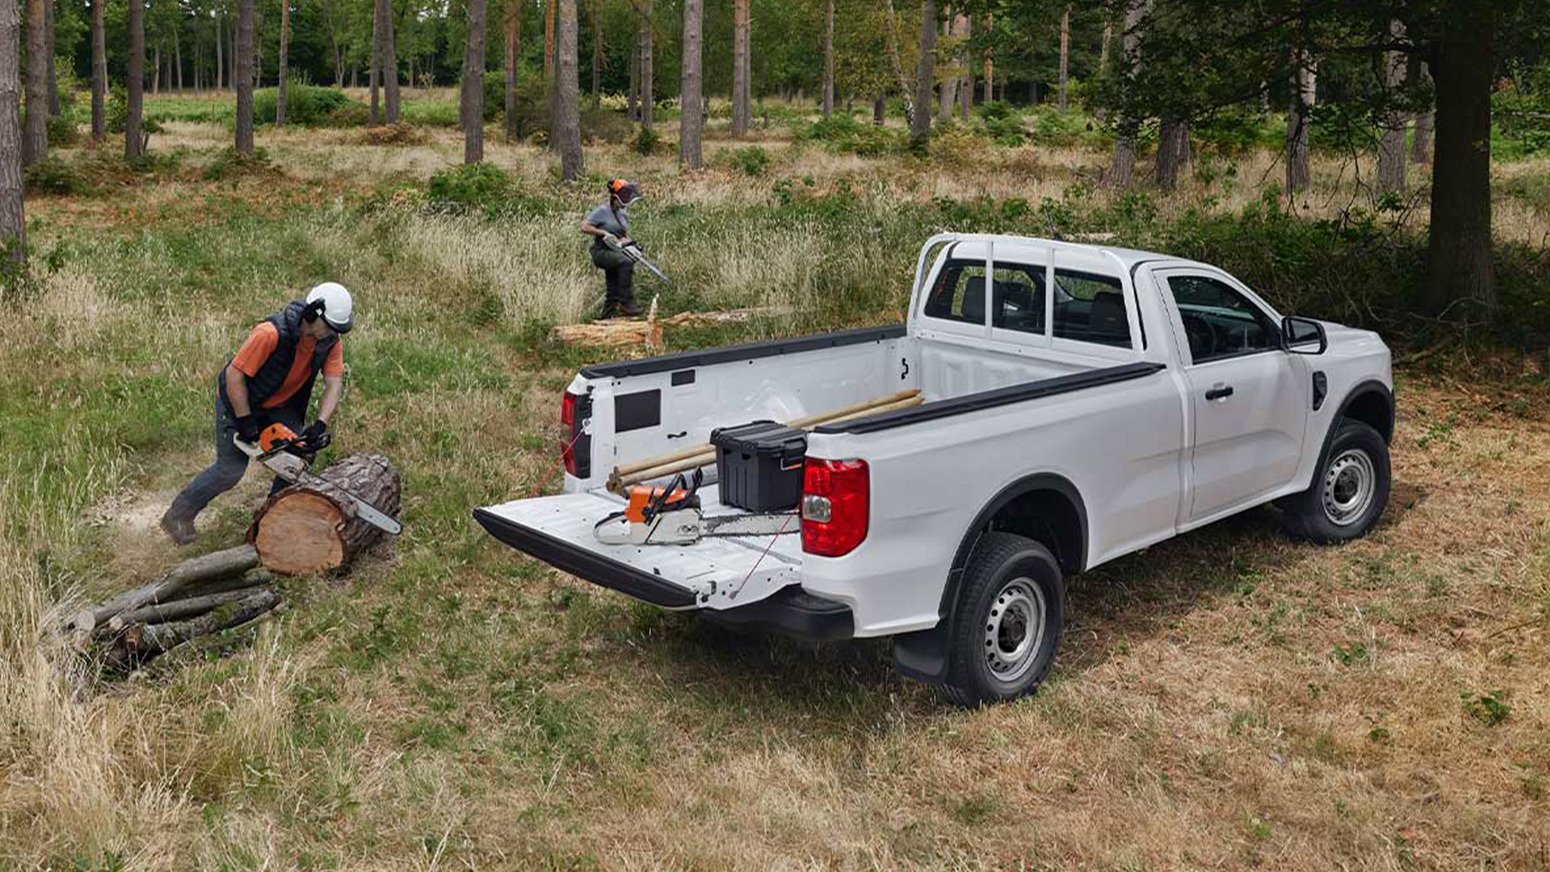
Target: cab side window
<point x="959" y="292"/>
<point x="1091" y="308"/>
<point x="1219" y="321"/>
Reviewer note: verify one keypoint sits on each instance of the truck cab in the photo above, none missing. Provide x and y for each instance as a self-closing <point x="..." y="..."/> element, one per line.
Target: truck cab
<point x="1077" y="403"/>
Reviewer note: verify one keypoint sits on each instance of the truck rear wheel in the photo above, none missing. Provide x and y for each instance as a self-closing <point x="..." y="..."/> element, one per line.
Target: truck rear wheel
<point x="1349" y="491"/>
<point x="1007" y="623"/>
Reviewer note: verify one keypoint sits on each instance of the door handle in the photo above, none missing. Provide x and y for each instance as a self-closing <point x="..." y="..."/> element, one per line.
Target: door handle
<point x="1220" y="392"/>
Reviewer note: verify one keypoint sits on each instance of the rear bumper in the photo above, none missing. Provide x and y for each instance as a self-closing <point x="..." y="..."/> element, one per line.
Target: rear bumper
<point x="791" y="610"/>
<point x="586" y="565"/>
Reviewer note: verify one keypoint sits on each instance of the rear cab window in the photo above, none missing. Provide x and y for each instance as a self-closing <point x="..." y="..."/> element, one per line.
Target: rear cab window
<point x="1091" y="308"/>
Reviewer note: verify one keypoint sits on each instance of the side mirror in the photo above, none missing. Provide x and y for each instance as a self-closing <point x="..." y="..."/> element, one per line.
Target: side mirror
<point x="1303" y="336"/>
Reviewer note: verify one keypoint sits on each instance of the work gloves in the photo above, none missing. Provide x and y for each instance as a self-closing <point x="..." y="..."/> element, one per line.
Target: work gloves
<point x="610" y="240"/>
<point x="316" y="436"/>
<point x="248" y="428"/>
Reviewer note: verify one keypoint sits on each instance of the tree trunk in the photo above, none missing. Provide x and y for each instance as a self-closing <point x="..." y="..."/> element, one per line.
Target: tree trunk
<point x="13" y="225"/>
<point x="990" y="66"/>
<point x="35" y="133"/>
<point x="310" y="528"/>
<point x="388" y="69"/>
<point x="134" y="143"/>
<point x="879" y="111"/>
<point x="925" y="75"/>
<point x="48" y="49"/>
<point x="1065" y="54"/>
<point x="1172" y="153"/>
<point x="244" y="77"/>
<point x="1421" y="144"/>
<point x="966" y="82"/>
<point x="1459" y="252"/>
<point x="177" y="57"/>
<point x="828" y="60"/>
<point x="473" y="85"/>
<point x="567" y="94"/>
<point x="947" y="92"/>
<point x="597" y="55"/>
<point x="691" y="116"/>
<point x="1391" y="141"/>
<point x="739" y="68"/>
<point x="632" y="96"/>
<point x="281" y="86"/>
<point x="374" y="75"/>
<point x="513" y="56"/>
<point x="1123" y="167"/>
<point x="549" y="10"/>
<point x="1304" y="93"/>
<point x="99" y="72"/>
<point x="220" y="51"/>
<point x="648" y="95"/>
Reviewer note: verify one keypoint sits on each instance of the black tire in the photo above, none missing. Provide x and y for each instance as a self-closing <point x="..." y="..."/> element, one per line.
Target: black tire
<point x="1357" y="452"/>
<point x="1005" y="570"/>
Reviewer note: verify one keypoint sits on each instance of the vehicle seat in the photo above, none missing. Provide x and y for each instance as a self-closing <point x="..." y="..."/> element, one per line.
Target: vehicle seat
<point x="973" y="305"/>
<point x="1107" y="322"/>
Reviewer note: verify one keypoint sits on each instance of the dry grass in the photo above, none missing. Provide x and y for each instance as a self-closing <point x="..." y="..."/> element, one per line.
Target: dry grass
<point x="1225" y="700"/>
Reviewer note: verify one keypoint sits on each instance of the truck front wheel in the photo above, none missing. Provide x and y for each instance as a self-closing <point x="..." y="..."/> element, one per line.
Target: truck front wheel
<point x="1349" y="491"/>
<point x="1007" y="623"/>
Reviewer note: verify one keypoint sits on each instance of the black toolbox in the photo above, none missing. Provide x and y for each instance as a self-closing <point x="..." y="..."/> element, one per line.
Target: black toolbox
<point x="759" y="465"/>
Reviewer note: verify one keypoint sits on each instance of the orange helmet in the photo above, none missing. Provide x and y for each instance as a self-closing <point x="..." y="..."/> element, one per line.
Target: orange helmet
<point x="626" y="190"/>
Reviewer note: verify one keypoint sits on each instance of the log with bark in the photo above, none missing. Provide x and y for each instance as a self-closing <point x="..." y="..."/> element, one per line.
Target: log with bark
<point x="310" y="528"/>
<point x="305" y="528"/>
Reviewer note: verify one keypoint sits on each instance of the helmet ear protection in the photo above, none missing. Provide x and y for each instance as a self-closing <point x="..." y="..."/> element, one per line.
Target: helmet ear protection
<point x="313" y="310"/>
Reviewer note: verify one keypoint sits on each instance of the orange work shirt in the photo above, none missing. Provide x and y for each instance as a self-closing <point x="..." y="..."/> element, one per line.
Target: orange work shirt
<point x="262" y="342"/>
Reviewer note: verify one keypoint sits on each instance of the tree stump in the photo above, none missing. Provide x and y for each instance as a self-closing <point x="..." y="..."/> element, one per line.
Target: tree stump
<point x="310" y="528"/>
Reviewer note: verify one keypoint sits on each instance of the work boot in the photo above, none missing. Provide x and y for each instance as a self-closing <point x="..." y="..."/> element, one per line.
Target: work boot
<point x="178" y="526"/>
<point x="630" y="310"/>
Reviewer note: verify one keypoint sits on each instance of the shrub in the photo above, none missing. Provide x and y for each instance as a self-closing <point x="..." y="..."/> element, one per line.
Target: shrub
<point x="228" y="164"/>
<point x="646" y="141"/>
<point x="351" y="114"/>
<point x="846" y="135"/>
<point x="62" y="130"/>
<point x="471" y="186"/>
<point x="750" y="160"/>
<point x="399" y="133"/>
<point x="307" y="105"/>
<point x="54" y="176"/>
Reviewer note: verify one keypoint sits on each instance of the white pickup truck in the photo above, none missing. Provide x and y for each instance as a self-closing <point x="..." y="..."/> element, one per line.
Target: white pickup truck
<point x="1141" y="397"/>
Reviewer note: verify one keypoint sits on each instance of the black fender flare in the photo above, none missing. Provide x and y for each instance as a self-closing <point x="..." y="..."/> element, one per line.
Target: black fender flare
<point x="1369" y="387"/>
<point x="922" y="655"/>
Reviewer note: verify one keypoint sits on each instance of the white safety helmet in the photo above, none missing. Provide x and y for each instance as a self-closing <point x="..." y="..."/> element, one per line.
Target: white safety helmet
<point x="333" y="302"/>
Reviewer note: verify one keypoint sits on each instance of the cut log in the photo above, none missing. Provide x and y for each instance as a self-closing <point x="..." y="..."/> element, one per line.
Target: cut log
<point x="610" y="333"/>
<point x="178" y="609"/>
<point x="206" y="567"/>
<point x="311" y="528"/>
<point x="141" y="642"/>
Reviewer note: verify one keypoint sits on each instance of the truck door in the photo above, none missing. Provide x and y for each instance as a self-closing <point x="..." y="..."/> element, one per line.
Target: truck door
<point x="1248" y="399"/>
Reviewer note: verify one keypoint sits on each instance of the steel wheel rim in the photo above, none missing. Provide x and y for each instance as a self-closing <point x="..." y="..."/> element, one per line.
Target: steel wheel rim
<point x="1349" y="485"/>
<point x="1014" y="630"/>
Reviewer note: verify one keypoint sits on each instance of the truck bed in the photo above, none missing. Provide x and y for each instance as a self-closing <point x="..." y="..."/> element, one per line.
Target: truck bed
<point x="717" y="572"/>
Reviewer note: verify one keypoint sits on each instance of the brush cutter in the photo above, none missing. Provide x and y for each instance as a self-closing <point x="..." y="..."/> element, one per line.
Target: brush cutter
<point x="633" y="251"/>
<point x="290" y="457"/>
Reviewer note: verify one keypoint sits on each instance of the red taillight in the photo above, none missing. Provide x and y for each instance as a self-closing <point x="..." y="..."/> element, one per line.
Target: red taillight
<point x="836" y="498"/>
<point x="568" y="441"/>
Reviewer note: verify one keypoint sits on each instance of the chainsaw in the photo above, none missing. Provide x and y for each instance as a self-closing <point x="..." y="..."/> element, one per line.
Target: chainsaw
<point x="287" y="455"/>
<point x="672" y="516"/>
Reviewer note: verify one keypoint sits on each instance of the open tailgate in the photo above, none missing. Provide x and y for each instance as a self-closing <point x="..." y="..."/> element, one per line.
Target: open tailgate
<point x="717" y="572"/>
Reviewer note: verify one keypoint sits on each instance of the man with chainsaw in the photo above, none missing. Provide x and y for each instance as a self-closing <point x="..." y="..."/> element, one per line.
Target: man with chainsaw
<point x="268" y="382"/>
<point x="609" y="227"/>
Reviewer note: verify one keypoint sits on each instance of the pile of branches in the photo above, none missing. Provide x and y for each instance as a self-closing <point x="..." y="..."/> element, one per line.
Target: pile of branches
<point x="198" y="597"/>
